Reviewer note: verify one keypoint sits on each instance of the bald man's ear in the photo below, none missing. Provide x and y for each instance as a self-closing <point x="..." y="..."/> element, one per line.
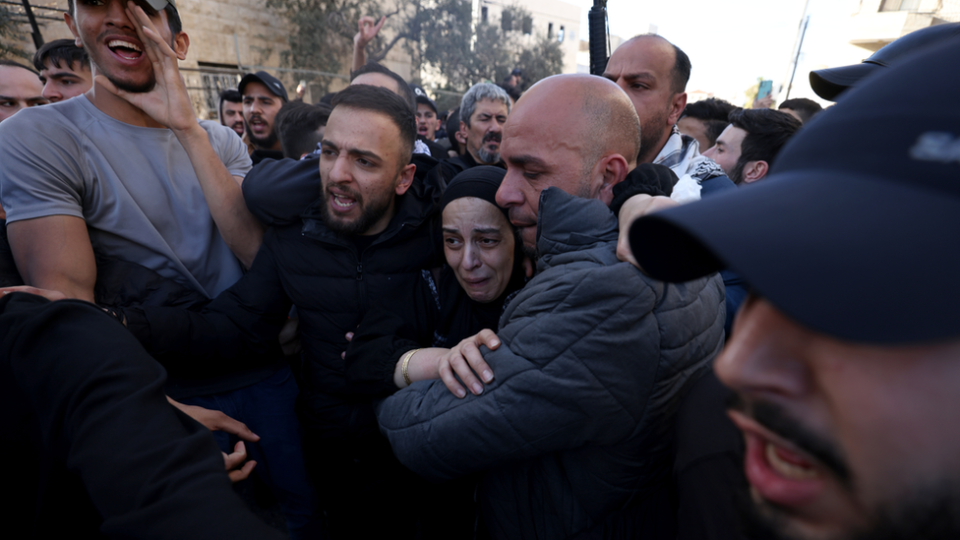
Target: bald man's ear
<point x="612" y="170"/>
<point x="677" y="103"/>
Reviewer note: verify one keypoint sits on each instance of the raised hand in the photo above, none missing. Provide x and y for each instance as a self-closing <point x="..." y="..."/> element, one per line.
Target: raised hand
<point x="368" y="29"/>
<point x="167" y="102"/>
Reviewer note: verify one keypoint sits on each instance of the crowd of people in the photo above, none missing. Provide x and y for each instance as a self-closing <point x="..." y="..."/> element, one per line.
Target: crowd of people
<point x="584" y="310"/>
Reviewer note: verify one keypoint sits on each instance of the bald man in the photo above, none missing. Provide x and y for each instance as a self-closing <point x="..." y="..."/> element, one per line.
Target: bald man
<point x="573" y="434"/>
<point x="654" y="73"/>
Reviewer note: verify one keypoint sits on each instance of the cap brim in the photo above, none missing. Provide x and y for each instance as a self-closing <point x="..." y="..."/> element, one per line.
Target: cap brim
<point x="427" y="101"/>
<point x="157" y="4"/>
<point x="830" y="83"/>
<point x="856" y="258"/>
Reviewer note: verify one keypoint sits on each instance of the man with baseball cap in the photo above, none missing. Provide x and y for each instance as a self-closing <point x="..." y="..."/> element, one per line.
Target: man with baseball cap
<point x="846" y="358"/>
<point x="427" y="122"/>
<point x="263" y="96"/>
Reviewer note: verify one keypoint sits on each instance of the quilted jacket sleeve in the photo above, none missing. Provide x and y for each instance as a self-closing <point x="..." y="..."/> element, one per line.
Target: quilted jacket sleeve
<point x="559" y="383"/>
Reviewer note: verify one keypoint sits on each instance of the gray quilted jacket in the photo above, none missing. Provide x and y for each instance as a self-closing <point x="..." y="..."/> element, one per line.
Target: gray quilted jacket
<point x="594" y="358"/>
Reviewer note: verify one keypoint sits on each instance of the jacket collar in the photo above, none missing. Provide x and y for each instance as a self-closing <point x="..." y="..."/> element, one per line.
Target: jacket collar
<point x="567" y="223"/>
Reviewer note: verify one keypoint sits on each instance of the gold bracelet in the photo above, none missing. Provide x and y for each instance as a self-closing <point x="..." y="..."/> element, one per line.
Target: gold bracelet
<point x="405" y="365"/>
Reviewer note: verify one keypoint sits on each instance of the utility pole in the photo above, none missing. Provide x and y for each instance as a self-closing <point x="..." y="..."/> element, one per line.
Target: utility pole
<point x="796" y="59"/>
<point x="37" y="37"/>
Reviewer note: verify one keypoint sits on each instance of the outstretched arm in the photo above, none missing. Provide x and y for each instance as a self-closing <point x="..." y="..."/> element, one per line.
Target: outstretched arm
<point x="169" y="104"/>
<point x="166" y="480"/>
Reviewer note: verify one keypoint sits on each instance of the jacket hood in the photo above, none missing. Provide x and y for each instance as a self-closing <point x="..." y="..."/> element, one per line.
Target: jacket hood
<point x="567" y="223"/>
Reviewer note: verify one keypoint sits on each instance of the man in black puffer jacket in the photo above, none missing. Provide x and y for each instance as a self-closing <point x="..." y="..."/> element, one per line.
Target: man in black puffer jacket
<point x="364" y="241"/>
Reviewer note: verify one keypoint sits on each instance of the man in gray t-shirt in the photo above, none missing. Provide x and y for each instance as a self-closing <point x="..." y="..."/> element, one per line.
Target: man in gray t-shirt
<point x="134" y="187"/>
<point x="126" y="170"/>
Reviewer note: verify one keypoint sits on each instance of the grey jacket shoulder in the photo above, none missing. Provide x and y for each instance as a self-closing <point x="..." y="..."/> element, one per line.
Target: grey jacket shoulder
<point x="593" y="356"/>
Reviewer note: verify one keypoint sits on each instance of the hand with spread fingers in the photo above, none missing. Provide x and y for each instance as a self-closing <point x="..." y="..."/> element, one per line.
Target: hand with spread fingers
<point x="168" y="101"/>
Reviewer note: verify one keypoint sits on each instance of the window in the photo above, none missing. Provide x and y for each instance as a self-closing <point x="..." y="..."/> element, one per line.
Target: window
<point x="506" y="21"/>
<point x="560" y="34"/>
<point x="215" y="78"/>
<point x="527" y="25"/>
<point x="483" y="14"/>
<point x="900" y="5"/>
<point x="549" y="30"/>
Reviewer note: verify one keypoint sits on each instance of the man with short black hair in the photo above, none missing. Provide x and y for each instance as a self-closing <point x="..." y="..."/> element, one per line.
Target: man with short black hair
<point x="263" y="95"/>
<point x="802" y="109"/>
<point x="364" y="240"/>
<point x="19" y="88"/>
<point x="704" y="120"/>
<point x="748" y="147"/>
<point x="231" y="110"/>
<point x="654" y="74"/>
<point x="300" y="126"/>
<point x="64" y="69"/>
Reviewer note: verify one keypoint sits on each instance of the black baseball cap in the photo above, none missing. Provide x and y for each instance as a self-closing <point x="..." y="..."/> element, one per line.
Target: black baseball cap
<point x="272" y="83"/>
<point x="856" y="232"/>
<point x="422" y="97"/>
<point x="830" y="83"/>
<point x="160" y="4"/>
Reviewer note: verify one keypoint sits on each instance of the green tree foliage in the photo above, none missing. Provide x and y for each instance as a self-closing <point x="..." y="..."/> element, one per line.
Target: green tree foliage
<point x="439" y="35"/>
<point x="10" y="34"/>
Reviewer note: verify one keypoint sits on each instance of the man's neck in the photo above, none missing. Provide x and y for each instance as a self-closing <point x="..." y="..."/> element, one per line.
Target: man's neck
<point x="647" y="156"/>
<point x="476" y="159"/>
<point x="118" y="108"/>
<point x="277" y="147"/>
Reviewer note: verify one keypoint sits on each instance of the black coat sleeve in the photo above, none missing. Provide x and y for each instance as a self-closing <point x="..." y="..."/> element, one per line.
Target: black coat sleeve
<point x="97" y="399"/>
<point x="384" y="335"/>
<point x="238" y="329"/>
<point x="278" y="191"/>
<point x="646" y="179"/>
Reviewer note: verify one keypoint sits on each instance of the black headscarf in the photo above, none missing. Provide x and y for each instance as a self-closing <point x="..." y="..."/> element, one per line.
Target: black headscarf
<point x="460" y="316"/>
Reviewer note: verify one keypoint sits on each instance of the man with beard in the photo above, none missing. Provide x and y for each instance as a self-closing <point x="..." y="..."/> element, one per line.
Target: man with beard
<point x="263" y="96"/>
<point x="748" y="147"/>
<point x="846" y="385"/>
<point x="364" y="241"/>
<point x="125" y="172"/>
<point x="654" y="74"/>
<point x="231" y="110"/>
<point x="483" y="110"/>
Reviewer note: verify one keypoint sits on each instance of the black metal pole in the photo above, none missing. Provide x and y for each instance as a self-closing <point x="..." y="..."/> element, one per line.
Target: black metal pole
<point x="599" y="40"/>
<point x="797" y="59"/>
<point x="37" y="37"/>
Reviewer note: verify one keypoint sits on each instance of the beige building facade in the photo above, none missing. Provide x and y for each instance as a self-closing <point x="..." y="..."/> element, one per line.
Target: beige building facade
<point x="551" y="18"/>
<point x="878" y="22"/>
